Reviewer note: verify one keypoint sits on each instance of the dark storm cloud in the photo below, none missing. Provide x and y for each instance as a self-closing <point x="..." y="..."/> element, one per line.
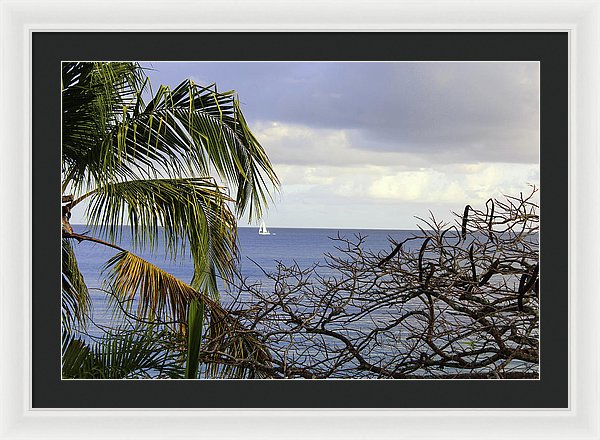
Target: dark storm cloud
<point x="451" y="112"/>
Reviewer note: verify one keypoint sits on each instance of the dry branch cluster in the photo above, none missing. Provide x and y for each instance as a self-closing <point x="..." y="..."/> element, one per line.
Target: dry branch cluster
<point x="458" y="301"/>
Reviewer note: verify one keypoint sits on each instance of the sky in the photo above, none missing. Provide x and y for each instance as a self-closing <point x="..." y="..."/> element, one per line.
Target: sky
<point x="371" y="145"/>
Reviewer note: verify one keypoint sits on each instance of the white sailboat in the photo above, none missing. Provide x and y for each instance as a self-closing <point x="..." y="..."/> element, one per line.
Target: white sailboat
<point x="263" y="229"/>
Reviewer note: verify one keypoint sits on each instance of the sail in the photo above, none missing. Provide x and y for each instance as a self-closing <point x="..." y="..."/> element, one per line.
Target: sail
<point x="263" y="229"/>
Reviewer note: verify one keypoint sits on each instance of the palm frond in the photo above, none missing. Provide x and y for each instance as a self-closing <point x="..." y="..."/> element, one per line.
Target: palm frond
<point x="94" y="96"/>
<point x="75" y="298"/>
<point x="109" y="134"/>
<point x="190" y="212"/>
<point x="195" y="324"/>
<point x="137" y="352"/>
<point x="79" y="360"/>
<point x="198" y="128"/>
<point x="157" y="295"/>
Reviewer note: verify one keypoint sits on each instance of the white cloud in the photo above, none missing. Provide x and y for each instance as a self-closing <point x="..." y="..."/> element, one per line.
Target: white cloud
<point x="323" y="164"/>
<point x="408" y="185"/>
<point x="315" y="175"/>
<point x="450" y="185"/>
<point x="421" y="136"/>
<point x="349" y="195"/>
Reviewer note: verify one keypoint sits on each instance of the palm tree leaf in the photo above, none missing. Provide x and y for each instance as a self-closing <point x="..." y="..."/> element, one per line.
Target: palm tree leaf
<point x="190" y="212"/>
<point x="193" y="129"/>
<point x="137" y="352"/>
<point x="121" y="353"/>
<point x="158" y="295"/>
<point x="79" y="360"/>
<point x="110" y="134"/>
<point x="75" y="299"/>
<point x="195" y="324"/>
<point x="155" y="293"/>
<point x="93" y="98"/>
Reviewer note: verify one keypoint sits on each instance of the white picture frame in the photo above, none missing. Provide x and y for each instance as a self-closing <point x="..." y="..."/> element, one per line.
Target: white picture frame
<point x="18" y="420"/>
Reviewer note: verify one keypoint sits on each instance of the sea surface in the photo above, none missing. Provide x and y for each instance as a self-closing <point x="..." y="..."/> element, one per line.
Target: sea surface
<point x="258" y="254"/>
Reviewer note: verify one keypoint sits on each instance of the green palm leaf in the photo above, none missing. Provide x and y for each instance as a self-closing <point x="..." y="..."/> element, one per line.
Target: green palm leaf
<point x="136" y="352"/>
<point x="79" y="361"/>
<point x="195" y="324"/>
<point x="185" y="212"/>
<point x="75" y="298"/>
<point x="187" y="131"/>
<point x="93" y="98"/>
<point x="206" y="129"/>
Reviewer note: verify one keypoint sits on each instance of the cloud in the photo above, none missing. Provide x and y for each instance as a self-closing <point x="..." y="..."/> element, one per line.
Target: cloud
<point x="301" y="144"/>
<point x="447" y="185"/>
<point x="328" y="181"/>
<point x="292" y="144"/>
<point x="463" y="111"/>
<point x="351" y="195"/>
<point x="458" y="185"/>
<point x="373" y="144"/>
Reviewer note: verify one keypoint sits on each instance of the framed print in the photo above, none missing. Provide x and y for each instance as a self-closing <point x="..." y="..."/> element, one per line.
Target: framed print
<point x="477" y="345"/>
<point x="547" y="386"/>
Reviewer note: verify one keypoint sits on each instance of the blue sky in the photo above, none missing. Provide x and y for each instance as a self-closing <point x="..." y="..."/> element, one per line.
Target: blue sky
<point x="372" y="145"/>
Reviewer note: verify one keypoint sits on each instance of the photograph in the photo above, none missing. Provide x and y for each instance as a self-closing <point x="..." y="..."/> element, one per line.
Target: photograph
<point x="310" y="220"/>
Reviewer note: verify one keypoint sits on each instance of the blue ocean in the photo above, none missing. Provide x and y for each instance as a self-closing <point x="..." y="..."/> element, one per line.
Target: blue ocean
<point x="259" y="255"/>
